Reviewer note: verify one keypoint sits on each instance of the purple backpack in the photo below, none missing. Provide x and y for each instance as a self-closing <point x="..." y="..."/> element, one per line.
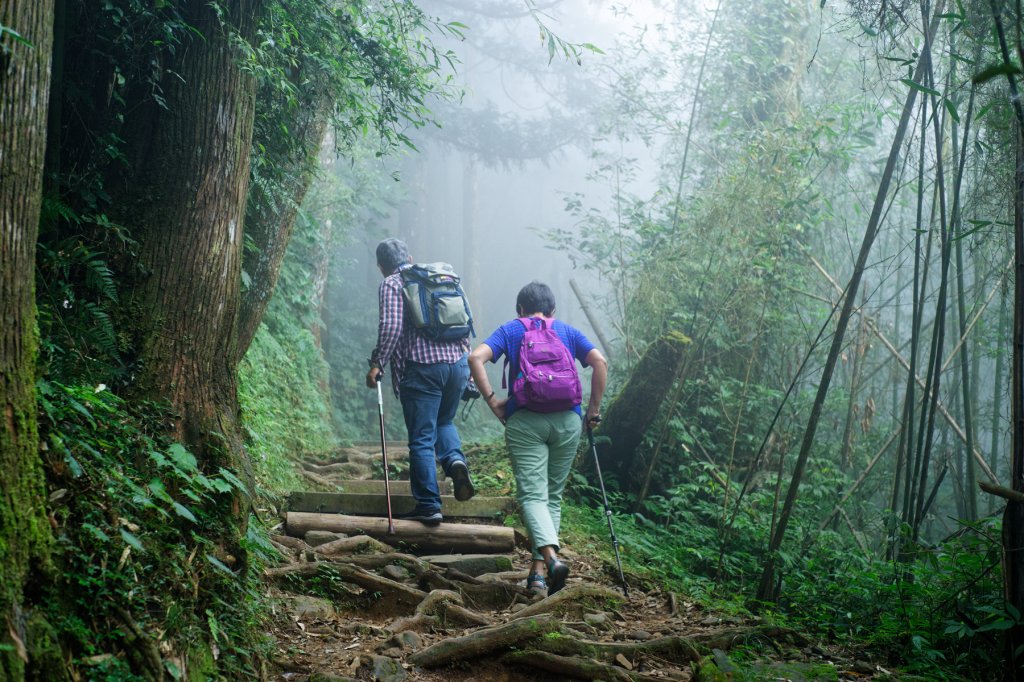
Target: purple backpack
<point x="547" y="379"/>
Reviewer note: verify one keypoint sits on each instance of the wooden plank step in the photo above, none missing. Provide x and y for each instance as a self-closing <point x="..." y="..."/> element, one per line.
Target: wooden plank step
<point x="376" y="487"/>
<point x="375" y="504"/>
<point x="410" y="536"/>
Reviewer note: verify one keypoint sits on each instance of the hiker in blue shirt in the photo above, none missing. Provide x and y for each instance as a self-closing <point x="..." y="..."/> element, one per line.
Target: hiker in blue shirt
<point x="541" y="415"/>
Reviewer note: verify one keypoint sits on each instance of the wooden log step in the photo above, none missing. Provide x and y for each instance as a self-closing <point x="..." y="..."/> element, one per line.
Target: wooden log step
<point x="453" y="538"/>
<point x="376" y="487"/>
<point x="375" y="504"/>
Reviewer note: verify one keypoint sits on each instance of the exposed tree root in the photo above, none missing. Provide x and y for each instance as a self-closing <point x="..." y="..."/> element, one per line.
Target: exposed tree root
<point x="420" y="623"/>
<point x="679" y="650"/>
<point x="477" y="593"/>
<point x="448" y="606"/>
<point x="570" y="666"/>
<point x="142" y="649"/>
<point x="573" y="601"/>
<point x="484" y="641"/>
<point x="376" y="561"/>
<point x="388" y="594"/>
<point x="357" y="544"/>
<point x="319" y="480"/>
<point x="289" y="542"/>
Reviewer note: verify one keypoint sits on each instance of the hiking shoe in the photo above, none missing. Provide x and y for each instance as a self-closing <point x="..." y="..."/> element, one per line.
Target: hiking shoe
<point x="431" y="518"/>
<point x="459" y="473"/>
<point x="536" y="584"/>
<point x="557" y="573"/>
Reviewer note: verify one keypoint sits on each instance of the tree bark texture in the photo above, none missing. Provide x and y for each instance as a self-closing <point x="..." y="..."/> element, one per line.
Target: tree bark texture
<point x="24" y="529"/>
<point x="635" y="408"/>
<point x="187" y="205"/>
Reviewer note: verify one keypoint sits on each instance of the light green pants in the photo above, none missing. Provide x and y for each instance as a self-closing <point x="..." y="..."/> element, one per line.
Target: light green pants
<point x="542" y="447"/>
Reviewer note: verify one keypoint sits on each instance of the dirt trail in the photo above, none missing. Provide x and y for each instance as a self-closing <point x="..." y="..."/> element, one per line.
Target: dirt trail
<point x="357" y="609"/>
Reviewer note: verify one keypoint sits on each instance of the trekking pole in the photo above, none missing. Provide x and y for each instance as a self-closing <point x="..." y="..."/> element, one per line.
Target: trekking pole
<point x="384" y="453"/>
<point x="607" y="509"/>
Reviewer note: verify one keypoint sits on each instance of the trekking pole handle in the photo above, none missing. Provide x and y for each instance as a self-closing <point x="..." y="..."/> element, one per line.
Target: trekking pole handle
<point x="380" y="394"/>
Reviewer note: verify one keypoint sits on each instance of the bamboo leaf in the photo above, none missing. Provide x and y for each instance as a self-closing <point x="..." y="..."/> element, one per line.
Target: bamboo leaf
<point x="951" y="108"/>
<point x="994" y="71"/>
<point x="984" y="110"/>
<point x="920" y="88"/>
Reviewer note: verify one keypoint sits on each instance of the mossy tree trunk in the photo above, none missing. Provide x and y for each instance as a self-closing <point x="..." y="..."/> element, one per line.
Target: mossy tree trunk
<point x="24" y="530"/>
<point x="636" y="406"/>
<point x="185" y="201"/>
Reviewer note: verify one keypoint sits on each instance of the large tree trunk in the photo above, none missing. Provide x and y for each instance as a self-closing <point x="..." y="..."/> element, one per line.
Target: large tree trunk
<point x="187" y="204"/>
<point x="636" y="406"/>
<point x="24" y="530"/>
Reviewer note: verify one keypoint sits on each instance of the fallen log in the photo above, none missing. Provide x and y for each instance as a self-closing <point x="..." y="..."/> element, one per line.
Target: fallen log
<point x="634" y="409"/>
<point x="484" y="641"/>
<point x="444" y="537"/>
<point x="375" y="504"/>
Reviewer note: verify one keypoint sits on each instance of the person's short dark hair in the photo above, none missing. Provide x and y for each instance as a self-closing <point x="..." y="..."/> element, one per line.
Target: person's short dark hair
<point x="536" y="297"/>
<point x="391" y="253"/>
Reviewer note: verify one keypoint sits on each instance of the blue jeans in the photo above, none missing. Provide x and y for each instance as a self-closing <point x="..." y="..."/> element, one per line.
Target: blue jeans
<point x="430" y="397"/>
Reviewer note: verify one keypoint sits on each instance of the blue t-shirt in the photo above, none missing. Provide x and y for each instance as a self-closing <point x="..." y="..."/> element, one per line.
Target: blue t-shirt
<point x="506" y="339"/>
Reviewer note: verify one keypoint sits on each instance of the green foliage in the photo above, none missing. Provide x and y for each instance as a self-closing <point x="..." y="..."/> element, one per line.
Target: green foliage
<point x="141" y="532"/>
<point x="284" y="407"/>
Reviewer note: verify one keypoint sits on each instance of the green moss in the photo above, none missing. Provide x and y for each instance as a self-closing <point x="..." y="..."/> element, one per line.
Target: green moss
<point x="284" y="412"/>
<point x="47" y="659"/>
<point x="202" y="664"/>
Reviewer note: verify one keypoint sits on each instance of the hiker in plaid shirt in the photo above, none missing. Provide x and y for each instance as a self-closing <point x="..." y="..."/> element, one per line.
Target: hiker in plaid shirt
<point x="428" y="377"/>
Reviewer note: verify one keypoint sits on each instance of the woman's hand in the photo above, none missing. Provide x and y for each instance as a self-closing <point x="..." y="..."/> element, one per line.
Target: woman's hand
<point x="497" y="406"/>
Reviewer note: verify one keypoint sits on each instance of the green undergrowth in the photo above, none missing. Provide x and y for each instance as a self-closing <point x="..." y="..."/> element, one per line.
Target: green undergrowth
<point x="143" y="582"/>
<point x="937" y="611"/>
<point x="285" y="410"/>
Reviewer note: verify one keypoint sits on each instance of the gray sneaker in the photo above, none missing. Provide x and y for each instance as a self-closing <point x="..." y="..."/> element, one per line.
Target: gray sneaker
<point x="459" y="473"/>
<point x="431" y="518"/>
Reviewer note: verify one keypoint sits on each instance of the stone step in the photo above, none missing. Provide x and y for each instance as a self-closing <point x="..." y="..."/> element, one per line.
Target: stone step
<point x="396" y="450"/>
<point x="375" y="504"/>
<point x="376" y="487"/>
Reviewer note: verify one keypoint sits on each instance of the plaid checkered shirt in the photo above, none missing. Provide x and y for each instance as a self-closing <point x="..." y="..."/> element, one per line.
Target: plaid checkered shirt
<point x="397" y="340"/>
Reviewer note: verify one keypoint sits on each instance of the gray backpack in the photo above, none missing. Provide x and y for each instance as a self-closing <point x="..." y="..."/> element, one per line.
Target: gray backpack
<point x="436" y="303"/>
